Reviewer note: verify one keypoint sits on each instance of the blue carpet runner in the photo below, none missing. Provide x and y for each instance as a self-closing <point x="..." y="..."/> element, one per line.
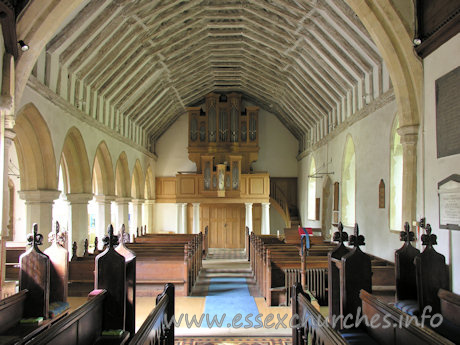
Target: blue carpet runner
<point x="230" y="296"/>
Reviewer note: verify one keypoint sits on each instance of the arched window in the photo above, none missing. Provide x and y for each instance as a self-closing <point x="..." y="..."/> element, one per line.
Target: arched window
<point x="396" y="175"/>
<point x="312" y="191"/>
<point x="348" y="184"/>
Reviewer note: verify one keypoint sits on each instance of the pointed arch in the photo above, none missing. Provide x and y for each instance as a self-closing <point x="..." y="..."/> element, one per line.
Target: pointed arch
<point x="34" y="147"/>
<point x="149" y="190"/>
<point x="76" y="163"/>
<point x="122" y="177"/>
<point x="394" y="43"/>
<point x="103" y="177"/>
<point x="137" y="182"/>
<point x="348" y="197"/>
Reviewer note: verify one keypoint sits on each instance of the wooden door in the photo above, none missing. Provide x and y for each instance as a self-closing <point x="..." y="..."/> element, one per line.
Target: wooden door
<point x="226" y="226"/>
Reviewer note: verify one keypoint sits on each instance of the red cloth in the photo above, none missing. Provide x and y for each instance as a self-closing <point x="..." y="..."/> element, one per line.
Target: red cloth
<point x="302" y="231"/>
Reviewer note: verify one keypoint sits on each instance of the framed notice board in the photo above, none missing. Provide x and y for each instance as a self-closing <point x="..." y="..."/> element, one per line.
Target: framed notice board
<point x="448" y="113"/>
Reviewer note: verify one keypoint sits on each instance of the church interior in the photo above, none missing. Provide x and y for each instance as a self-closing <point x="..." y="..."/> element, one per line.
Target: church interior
<point x="275" y="166"/>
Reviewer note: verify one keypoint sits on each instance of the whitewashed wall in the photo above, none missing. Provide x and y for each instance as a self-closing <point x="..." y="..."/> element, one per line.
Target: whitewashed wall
<point x="434" y="170"/>
<point x="172" y="151"/>
<point x="277" y="156"/>
<point x="371" y="137"/>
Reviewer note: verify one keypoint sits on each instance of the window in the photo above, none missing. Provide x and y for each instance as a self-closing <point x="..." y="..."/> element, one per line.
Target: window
<point x="312" y="191"/>
<point x="348" y="184"/>
<point x="396" y="175"/>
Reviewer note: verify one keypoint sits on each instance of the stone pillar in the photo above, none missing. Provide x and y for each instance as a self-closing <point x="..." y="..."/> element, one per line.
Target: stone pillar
<point x="149" y="206"/>
<point x="409" y="137"/>
<point x="137" y="215"/>
<point x="78" y="219"/>
<point x="8" y="136"/>
<point x="248" y="218"/>
<point x="39" y="209"/>
<point x="104" y="216"/>
<point x="181" y="218"/>
<point x="265" y="226"/>
<point x="196" y="218"/>
<point x="123" y="212"/>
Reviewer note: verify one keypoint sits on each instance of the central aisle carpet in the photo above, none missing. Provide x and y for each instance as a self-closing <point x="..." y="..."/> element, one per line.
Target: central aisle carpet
<point x="229" y="296"/>
<point x="233" y="341"/>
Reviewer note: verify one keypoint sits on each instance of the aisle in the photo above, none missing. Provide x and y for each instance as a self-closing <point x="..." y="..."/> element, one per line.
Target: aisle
<point x="226" y="286"/>
<point x="228" y="301"/>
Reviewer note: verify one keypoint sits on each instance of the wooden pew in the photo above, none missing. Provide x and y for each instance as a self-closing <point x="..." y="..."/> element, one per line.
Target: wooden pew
<point x="385" y="325"/>
<point x="130" y="262"/>
<point x="105" y="310"/>
<point x="156" y="264"/>
<point x="157" y="328"/>
<point x="406" y="283"/>
<point x="311" y="327"/>
<point x="81" y="274"/>
<point x="59" y="271"/>
<point x="354" y="275"/>
<point x="450" y="310"/>
<point x="395" y="327"/>
<point x="278" y="265"/>
<point x="13" y="252"/>
<point x="431" y="273"/>
<point x="27" y="313"/>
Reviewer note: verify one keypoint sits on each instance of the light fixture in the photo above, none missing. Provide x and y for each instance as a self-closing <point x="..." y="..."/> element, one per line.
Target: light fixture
<point x="417" y="41"/>
<point x="24" y="46"/>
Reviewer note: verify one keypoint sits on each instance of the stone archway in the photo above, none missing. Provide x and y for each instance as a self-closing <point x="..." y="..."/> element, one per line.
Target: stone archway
<point x="77" y="176"/>
<point x="37" y="167"/>
<point x="103" y="189"/>
<point x="34" y="147"/>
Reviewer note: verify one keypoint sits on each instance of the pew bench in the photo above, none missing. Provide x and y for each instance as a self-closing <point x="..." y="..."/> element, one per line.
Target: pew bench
<point x="83" y="326"/>
<point x="395" y="326"/>
<point x="14" y="327"/>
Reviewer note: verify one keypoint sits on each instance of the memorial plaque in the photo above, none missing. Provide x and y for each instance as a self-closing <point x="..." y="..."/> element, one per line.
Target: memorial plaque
<point x="448" y="113"/>
<point x="449" y="203"/>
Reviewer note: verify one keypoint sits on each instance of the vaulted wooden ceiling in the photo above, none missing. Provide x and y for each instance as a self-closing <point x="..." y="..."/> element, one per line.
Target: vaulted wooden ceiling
<point x="312" y="63"/>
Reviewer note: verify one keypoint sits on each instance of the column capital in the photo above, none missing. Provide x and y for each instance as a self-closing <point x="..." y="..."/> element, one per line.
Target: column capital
<point x="79" y="198"/>
<point x="265" y="204"/>
<point x="409" y="134"/>
<point x="248" y="204"/>
<point x="149" y="201"/>
<point x="104" y="198"/>
<point x="9" y="135"/>
<point x="39" y="196"/>
<point x="196" y="204"/>
<point x="138" y="201"/>
<point x="122" y="200"/>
